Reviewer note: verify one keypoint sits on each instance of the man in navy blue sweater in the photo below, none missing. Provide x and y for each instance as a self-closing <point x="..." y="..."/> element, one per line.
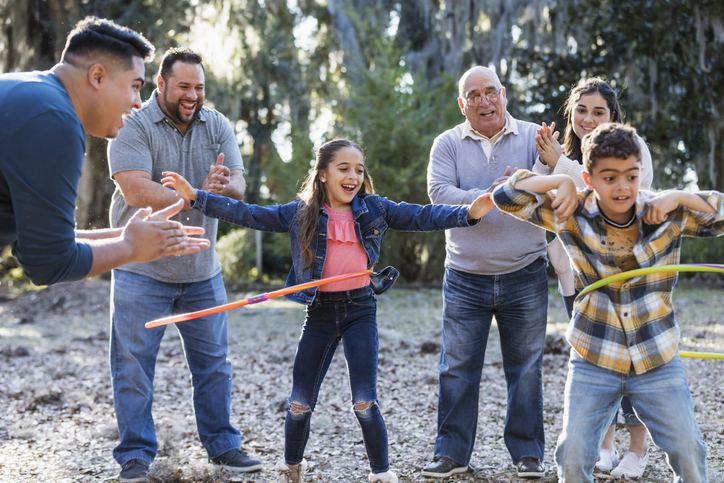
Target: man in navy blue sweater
<point x="46" y="116"/>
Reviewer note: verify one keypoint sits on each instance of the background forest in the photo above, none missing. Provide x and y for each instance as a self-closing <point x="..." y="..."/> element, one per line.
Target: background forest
<point x="290" y="74"/>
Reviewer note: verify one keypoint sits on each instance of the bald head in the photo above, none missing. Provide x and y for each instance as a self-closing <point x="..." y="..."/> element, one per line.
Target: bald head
<point x="482" y="100"/>
<point x="478" y="70"/>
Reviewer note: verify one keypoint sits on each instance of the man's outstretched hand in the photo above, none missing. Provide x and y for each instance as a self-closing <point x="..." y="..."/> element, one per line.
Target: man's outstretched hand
<point x="152" y="235"/>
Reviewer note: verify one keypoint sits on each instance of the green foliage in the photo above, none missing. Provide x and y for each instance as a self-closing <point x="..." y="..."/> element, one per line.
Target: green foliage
<point x="666" y="59"/>
<point x="12" y="278"/>
<point x="237" y="255"/>
<point x="395" y="119"/>
<point x="284" y="179"/>
<point x="702" y="250"/>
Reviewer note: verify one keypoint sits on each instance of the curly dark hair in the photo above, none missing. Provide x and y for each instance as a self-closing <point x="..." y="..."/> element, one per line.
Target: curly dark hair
<point x="609" y="140"/>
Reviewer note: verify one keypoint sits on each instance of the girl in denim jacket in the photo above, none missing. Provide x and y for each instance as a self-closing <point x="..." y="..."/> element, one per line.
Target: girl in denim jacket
<point x="336" y="225"/>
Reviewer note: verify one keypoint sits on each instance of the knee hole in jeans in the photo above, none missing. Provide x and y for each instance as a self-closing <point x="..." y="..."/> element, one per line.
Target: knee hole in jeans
<point x="362" y="408"/>
<point x="298" y="409"/>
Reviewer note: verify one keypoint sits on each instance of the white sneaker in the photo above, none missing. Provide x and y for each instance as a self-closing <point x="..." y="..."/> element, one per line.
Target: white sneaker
<point x="386" y="477"/>
<point x="631" y="465"/>
<point x="290" y="475"/>
<point x="607" y="460"/>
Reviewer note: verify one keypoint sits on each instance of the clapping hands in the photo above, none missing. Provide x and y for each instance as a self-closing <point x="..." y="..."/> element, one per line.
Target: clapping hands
<point x="546" y="141"/>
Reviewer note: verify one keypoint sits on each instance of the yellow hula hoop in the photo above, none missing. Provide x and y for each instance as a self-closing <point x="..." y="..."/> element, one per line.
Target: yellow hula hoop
<point x="701" y="355"/>
<point x="687" y="267"/>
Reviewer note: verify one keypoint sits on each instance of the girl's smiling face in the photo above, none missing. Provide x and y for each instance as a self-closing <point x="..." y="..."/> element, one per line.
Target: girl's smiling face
<point x="590" y="111"/>
<point x="343" y="178"/>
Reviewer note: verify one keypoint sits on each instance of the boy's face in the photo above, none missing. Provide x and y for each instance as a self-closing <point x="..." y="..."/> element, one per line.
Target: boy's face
<point x="615" y="182"/>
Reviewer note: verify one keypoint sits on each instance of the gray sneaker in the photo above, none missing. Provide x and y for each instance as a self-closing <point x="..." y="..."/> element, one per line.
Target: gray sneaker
<point x="134" y="471"/>
<point x="236" y="461"/>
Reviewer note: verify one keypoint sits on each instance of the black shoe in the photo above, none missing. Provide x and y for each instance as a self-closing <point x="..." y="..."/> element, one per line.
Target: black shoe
<point x="530" y="467"/>
<point x="237" y="461"/>
<point x="134" y="471"/>
<point x="442" y="467"/>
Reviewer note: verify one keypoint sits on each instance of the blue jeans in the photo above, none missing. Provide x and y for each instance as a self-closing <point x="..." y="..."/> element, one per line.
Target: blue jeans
<point x="628" y="413"/>
<point x="135" y="300"/>
<point x="351" y="317"/>
<point x="519" y="302"/>
<point x="568" y="301"/>
<point x="626" y="410"/>
<point x="662" y="401"/>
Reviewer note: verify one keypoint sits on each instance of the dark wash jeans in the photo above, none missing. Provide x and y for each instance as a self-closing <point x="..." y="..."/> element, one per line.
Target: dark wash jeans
<point x="519" y="302"/>
<point x="349" y="317"/>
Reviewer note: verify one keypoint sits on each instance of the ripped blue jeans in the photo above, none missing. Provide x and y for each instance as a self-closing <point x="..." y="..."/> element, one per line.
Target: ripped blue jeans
<point x="349" y="317"/>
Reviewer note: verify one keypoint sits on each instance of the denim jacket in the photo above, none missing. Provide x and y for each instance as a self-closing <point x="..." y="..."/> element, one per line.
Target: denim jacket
<point x="373" y="216"/>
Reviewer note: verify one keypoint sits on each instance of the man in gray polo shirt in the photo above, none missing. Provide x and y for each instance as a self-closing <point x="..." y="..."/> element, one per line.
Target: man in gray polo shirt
<point x="495" y="269"/>
<point x="172" y="131"/>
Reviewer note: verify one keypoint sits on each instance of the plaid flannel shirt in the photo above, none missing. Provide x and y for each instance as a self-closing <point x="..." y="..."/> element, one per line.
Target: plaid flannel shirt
<point x="631" y="325"/>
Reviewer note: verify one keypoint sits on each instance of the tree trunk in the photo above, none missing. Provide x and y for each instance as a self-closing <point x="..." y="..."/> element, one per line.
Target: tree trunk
<point x="31" y="36"/>
<point x="348" y="40"/>
<point x="96" y="187"/>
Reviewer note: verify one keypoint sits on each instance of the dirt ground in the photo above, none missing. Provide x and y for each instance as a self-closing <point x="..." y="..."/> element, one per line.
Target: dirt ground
<point x="56" y="410"/>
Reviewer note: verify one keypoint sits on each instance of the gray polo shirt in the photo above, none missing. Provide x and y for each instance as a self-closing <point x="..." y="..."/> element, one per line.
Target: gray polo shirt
<point x="150" y="142"/>
<point x="460" y="171"/>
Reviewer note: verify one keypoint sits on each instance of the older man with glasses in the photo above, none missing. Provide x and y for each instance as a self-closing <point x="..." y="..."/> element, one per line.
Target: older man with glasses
<point x="497" y="268"/>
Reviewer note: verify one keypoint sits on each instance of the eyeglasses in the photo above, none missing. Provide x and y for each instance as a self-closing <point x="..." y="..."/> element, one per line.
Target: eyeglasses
<point x="490" y="96"/>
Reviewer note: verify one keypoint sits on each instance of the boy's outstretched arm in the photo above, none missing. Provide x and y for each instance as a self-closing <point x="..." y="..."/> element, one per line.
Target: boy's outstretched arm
<point x="179" y="183"/>
<point x="566" y="200"/>
<point x="480" y="206"/>
<point x="668" y="201"/>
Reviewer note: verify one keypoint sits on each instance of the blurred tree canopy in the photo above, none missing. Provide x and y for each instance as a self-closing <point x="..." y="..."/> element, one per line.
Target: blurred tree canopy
<point x="290" y="74"/>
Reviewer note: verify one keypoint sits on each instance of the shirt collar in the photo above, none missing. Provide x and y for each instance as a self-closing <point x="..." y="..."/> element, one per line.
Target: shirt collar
<point x="510" y="127"/>
<point x="157" y="115"/>
<point x="591" y="210"/>
<point x="359" y="207"/>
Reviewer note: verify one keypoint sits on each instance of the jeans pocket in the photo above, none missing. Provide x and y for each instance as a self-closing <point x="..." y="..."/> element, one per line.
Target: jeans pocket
<point x="536" y="266"/>
<point x="362" y="304"/>
<point x="368" y="301"/>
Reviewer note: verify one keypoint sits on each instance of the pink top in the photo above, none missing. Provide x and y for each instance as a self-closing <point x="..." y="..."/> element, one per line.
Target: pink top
<point x="344" y="253"/>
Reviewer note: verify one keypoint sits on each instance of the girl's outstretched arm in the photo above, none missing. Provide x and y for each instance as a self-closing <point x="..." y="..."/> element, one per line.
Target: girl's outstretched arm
<point x="179" y="183"/>
<point x="481" y="206"/>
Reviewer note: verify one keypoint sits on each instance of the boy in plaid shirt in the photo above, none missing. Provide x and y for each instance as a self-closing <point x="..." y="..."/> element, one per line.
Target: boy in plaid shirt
<point x="624" y="335"/>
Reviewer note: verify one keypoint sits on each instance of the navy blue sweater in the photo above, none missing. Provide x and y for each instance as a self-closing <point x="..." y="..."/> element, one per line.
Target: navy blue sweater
<point x="42" y="143"/>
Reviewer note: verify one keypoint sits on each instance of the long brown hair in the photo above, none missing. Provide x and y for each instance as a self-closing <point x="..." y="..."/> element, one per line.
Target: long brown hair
<point x="313" y="194"/>
<point x="571" y="142"/>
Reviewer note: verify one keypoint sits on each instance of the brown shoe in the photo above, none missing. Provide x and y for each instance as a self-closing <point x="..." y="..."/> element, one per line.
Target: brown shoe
<point x="285" y="474"/>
